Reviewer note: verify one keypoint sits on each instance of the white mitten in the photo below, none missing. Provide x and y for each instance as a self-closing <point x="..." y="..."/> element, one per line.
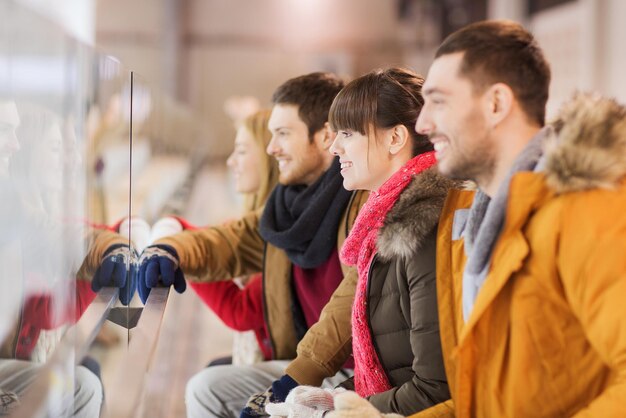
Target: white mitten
<point x="303" y="402"/>
<point x="290" y="410"/>
<point x="165" y="227"/>
<point x="351" y="405"/>
<point x="313" y="397"/>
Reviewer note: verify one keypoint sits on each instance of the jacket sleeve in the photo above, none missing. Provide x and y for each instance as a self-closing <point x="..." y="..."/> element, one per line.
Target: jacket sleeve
<point x="222" y="252"/>
<point x="441" y="410"/>
<point x="592" y="264"/>
<point x="428" y="386"/>
<point x="327" y="345"/>
<point x="98" y="241"/>
<point x="239" y="309"/>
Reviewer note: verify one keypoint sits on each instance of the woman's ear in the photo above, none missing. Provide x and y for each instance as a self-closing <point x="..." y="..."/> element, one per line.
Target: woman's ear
<point x="398" y="138"/>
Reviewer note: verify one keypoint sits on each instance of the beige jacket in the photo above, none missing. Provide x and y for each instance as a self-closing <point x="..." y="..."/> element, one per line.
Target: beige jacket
<point x="236" y="248"/>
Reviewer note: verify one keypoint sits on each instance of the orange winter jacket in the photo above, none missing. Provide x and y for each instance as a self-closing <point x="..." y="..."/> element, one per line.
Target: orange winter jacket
<point x="547" y="334"/>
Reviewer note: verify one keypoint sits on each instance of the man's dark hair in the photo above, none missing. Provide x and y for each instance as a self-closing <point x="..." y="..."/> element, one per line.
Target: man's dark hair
<point x="313" y="94"/>
<point x="501" y="51"/>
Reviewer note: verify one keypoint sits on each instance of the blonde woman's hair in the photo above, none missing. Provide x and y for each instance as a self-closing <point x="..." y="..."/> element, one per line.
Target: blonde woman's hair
<point x="256" y="124"/>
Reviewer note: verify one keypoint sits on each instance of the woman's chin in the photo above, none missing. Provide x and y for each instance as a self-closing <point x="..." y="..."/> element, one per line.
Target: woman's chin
<point x="349" y="184"/>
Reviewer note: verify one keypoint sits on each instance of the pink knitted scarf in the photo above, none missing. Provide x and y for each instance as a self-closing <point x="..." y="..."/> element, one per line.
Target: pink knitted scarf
<point x="359" y="249"/>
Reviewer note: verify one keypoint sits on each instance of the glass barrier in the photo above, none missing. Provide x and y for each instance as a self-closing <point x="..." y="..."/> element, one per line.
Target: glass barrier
<point x="146" y="203"/>
<point x="83" y="142"/>
<point x="64" y="168"/>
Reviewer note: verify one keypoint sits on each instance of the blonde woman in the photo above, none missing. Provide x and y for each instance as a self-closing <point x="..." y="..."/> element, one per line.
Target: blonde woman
<point x="240" y="307"/>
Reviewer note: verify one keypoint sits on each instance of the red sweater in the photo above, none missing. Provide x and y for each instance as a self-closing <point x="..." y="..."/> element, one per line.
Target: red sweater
<point x="41" y="313"/>
<point x="239" y="309"/>
<point x="242" y="309"/>
<point x="315" y="286"/>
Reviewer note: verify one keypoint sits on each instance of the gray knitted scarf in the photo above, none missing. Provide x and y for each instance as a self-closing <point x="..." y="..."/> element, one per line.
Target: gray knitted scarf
<point x="485" y="221"/>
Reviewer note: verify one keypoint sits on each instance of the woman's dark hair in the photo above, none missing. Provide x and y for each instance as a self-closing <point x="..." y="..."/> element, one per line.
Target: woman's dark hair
<point x="381" y="99"/>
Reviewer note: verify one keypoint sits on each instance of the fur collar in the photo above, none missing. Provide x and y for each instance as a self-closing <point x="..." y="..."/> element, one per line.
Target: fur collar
<point x="587" y="146"/>
<point x="414" y="215"/>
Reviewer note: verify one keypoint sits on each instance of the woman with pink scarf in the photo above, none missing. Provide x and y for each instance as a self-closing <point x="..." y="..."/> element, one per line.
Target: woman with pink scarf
<point x="395" y="329"/>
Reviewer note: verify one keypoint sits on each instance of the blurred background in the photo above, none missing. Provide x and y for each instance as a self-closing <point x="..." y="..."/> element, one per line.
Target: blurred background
<point x="115" y="108"/>
<point x="201" y="52"/>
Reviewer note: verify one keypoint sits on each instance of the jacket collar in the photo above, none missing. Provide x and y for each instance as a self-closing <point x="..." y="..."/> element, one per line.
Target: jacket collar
<point x="414" y="216"/>
<point x="587" y="147"/>
<point x="528" y="192"/>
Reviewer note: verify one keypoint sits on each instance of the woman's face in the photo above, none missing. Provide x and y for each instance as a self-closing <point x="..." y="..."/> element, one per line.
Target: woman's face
<point x="245" y="162"/>
<point x="365" y="162"/>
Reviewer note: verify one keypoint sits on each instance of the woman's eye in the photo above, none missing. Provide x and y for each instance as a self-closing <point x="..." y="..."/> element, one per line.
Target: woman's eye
<point x="345" y="134"/>
<point x="436" y="101"/>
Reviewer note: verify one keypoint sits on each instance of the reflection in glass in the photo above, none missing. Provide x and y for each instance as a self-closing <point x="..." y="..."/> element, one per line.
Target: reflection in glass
<point x="53" y="229"/>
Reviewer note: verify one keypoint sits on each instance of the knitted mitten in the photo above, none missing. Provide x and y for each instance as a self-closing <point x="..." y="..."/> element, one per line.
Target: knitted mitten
<point x="313" y="397"/>
<point x="158" y="264"/>
<point x="351" y="405"/>
<point x="304" y="401"/>
<point x="255" y="407"/>
<point x="117" y="269"/>
<point x="287" y="410"/>
<point x="8" y="402"/>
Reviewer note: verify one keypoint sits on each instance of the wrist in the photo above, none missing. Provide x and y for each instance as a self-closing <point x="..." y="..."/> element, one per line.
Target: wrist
<point x="282" y="387"/>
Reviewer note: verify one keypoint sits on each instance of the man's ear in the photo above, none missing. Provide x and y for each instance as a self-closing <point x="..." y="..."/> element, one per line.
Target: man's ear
<point x="397" y="138"/>
<point x="498" y="104"/>
<point x="327" y="136"/>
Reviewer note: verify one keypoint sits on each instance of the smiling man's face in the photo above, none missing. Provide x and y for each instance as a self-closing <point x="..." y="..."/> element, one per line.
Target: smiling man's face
<point x="453" y="120"/>
<point x="301" y="160"/>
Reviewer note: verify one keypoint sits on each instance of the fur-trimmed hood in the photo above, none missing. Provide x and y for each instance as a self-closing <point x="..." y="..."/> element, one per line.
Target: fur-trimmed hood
<point x="587" y="146"/>
<point x="414" y="215"/>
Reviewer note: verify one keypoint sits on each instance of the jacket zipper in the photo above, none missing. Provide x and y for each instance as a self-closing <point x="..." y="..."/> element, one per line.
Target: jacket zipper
<point x="270" y="336"/>
<point x="369" y="323"/>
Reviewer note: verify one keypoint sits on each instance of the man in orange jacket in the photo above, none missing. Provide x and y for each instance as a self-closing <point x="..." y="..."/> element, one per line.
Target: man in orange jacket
<point x="531" y="271"/>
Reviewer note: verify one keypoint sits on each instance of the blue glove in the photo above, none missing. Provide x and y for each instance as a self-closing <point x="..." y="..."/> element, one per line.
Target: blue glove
<point x="159" y="262"/>
<point x="255" y="407"/>
<point x="117" y="269"/>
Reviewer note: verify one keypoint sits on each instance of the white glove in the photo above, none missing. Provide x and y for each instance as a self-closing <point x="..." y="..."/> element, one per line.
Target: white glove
<point x="304" y="402"/>
<point x="351" y="405"/>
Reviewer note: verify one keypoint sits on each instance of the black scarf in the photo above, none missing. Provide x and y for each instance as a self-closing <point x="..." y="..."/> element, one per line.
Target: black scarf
<point x="303" y="220"/>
